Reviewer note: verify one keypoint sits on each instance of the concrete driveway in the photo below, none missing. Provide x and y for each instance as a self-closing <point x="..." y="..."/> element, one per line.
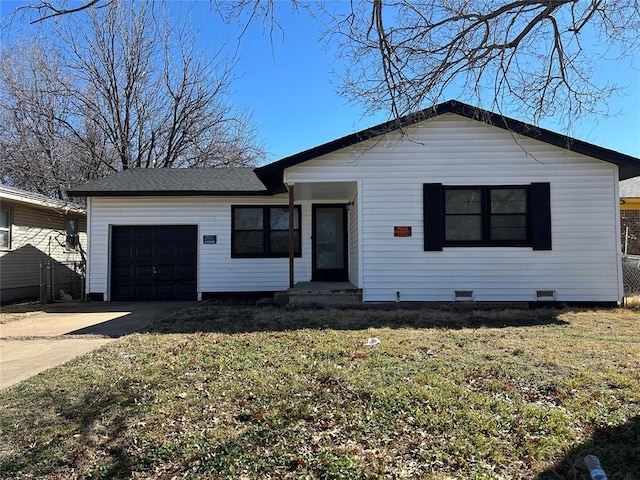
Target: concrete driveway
<point x="31" y="345"/>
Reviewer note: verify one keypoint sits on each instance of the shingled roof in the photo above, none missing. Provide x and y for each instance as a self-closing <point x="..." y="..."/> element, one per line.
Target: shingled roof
<point x="174" y="181"/>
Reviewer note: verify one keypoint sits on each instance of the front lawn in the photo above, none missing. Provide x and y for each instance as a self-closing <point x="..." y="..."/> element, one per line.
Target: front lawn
<point x="237" y="392"/>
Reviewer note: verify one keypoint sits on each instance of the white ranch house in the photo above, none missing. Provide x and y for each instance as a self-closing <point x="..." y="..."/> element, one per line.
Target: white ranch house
<point x="457" y="204"/>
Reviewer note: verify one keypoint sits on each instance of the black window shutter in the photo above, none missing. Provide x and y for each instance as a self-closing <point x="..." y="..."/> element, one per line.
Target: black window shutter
<point x="541" y="216"/>
<point x="433" y="217"/>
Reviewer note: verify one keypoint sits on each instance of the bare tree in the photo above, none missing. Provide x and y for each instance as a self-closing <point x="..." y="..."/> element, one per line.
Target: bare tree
<point x="126" y="90"/>
<point x="39" y="151"/>
<point x="535" y="57"/>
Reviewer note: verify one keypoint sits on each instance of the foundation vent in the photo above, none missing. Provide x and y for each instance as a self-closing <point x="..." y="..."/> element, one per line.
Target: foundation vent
<point x="463" y="296"/>
<point x="545" y="295"/>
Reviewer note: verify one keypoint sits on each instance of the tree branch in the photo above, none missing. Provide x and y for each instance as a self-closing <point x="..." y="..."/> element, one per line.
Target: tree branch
<point x="65" y="11"/>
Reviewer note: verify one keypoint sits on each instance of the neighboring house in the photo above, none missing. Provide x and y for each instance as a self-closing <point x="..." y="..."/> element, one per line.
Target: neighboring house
<point x="35" y="229"/>
<point x="457" y="204"/>
<point x="630" y="215"/>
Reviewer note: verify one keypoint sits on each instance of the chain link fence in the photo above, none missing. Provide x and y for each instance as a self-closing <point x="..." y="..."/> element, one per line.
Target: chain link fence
<point x="62" y="281"/>
<point x="631" y="275"/>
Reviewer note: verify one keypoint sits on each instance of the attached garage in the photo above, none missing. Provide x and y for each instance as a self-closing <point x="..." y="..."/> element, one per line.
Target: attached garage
<point x="154" y="262"/>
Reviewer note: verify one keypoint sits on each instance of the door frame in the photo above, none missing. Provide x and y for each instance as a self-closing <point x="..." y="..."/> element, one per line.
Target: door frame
<point x="330" y="275"/>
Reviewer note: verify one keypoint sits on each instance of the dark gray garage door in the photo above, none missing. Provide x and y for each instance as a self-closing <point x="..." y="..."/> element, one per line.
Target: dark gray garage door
<point x="154" y="262"/>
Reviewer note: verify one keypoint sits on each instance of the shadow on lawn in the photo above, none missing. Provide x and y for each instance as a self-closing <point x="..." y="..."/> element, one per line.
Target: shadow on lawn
<point x="243" y="319"/>
<point x="86" y="428"/>
<point x="618" y="449"/>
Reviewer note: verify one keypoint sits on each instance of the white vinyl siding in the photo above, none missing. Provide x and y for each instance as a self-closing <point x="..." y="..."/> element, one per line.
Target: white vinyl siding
<point x="217" y="271"/>
<point x="453" y="150"/>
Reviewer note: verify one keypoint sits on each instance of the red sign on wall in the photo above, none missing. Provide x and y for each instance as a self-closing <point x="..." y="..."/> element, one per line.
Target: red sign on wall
<point x="401" y="231"/>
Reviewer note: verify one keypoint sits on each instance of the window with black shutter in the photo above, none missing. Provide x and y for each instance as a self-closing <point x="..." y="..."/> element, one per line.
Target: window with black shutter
<point x="505" y="215"/>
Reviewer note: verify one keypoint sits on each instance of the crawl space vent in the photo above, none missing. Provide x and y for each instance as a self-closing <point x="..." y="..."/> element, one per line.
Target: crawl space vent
<point x="463" y="296"/>
<point x="545" y="295"/>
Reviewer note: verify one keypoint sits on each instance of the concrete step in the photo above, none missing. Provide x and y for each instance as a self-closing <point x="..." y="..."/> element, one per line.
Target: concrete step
<point x="325" y="298"/>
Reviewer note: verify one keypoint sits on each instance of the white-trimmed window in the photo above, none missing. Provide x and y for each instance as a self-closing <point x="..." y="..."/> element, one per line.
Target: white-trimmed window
<point x="5" y="229"/>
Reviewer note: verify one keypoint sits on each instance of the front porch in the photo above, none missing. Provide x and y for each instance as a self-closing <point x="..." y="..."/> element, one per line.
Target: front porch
<point x="334" y="239"/>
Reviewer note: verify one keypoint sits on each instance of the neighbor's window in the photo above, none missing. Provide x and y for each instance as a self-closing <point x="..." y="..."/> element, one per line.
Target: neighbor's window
<point x="72" y="242"/>
<point x="5" y="228"/>
<point x="261" y="231"/>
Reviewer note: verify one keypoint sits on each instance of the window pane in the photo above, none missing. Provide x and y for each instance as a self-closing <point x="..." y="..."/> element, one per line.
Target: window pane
<point x="72" y="226"/>
<point x="509" y="200"/>
<point x="248" y="218"/>
<point x="280" y="242"/>
<point x="4" y="219"/>
<point x="4" y="239"/>
<point x="508" y="227"/>
<point x="462" y="201"/>
<point x="280" y="218"/>
<point x="72" y="234"/>
<point x="460" y="228"/>
<point x="249" y="242"/>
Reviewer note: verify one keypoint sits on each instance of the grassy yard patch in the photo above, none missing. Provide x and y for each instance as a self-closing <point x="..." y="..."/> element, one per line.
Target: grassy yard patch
<point x="238" y="392"/>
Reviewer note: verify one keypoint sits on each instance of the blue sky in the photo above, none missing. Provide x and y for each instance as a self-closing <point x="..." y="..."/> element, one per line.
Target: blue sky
<point x="287" y="82"/>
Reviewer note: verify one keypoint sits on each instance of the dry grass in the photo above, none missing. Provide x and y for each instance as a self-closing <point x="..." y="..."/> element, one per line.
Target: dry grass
<point x="12" y="313"/>
<point x="19" y="311"/>
<point x="228" y="392"/>
<point x="632" y="302"/>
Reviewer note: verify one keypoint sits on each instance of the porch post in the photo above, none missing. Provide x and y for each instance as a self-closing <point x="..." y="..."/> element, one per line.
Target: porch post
<point x="291" y="236"/>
